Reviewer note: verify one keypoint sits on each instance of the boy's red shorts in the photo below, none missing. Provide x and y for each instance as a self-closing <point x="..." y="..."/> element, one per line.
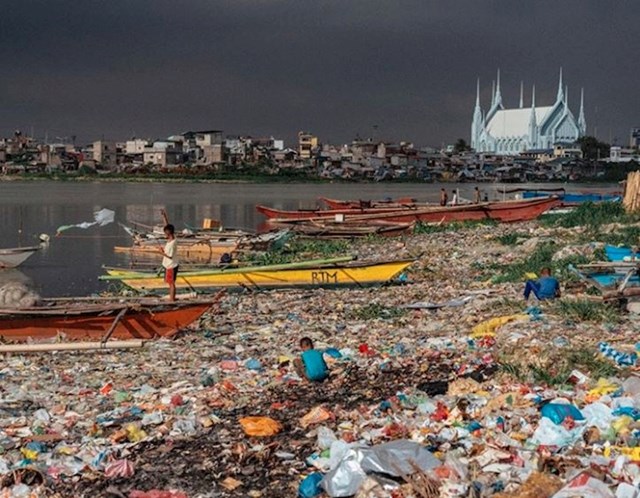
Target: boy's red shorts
<point x="170" y="275"/>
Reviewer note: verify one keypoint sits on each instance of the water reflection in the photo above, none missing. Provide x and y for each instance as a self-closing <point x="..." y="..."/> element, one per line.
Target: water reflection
<point x="72" y="262"/>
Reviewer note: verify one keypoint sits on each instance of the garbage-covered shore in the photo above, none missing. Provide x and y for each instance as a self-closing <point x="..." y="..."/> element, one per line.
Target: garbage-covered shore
<point x="445" y="384"/>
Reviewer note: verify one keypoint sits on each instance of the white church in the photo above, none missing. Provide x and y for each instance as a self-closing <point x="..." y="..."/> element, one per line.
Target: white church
<point x="511" y="131"/>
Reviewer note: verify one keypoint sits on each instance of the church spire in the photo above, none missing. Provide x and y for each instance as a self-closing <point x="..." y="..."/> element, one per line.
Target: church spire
<point x="476" y="125"/>
<point x="498" y="94"/>
<point x="560" y="96"/>
<point x="566" y="98"/>
<point x="493" y="92"/>
<point x="521" y="94"/>
<point x="582" y="122"/>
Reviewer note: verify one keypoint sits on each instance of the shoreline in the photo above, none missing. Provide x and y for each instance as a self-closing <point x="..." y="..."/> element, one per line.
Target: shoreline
<point x="274" y="180"/>
<point x="416" y="374"/>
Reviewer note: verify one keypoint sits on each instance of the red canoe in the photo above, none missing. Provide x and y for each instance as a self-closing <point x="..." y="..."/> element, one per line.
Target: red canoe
<point x="400" y="202"/>
<point x="506" y="211"/>
<point x="315" y="213"/>
<point x="139" y="319"/>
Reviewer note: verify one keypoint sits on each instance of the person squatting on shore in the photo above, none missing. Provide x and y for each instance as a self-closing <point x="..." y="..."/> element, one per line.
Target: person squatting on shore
<point x="546" y="287"/>
<point x="311" y="364"/>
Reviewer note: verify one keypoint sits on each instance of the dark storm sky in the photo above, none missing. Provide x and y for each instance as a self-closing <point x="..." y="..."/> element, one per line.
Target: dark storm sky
<point x="336" y="67"/>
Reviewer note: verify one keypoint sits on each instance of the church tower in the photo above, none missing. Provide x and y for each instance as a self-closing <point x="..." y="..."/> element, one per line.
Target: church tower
<point x="477" y="123"/>
<point x="582" y="122"/>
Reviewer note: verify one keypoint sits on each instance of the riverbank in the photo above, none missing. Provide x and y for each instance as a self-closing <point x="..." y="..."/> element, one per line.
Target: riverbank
<point x="277" y="179"/>
<point x="167" y="417"/>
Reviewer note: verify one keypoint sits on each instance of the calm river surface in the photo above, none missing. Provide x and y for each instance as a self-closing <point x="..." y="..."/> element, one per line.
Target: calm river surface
<point x="70" y="264"/>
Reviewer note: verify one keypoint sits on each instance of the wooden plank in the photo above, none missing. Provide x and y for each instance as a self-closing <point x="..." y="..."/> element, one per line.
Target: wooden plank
<point x="69" y="346"/>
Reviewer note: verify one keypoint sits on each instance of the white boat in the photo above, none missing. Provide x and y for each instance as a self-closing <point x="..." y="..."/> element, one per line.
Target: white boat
<point x="15" y="256"/>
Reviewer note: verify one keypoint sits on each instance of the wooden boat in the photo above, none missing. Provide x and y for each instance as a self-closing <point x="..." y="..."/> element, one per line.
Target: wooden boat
<point x="79" y="319"/>
<point x="574" y="199"/>
<point x="506" y="211"/>
<point x="319" y="213"/>
<point x="339" y="204"/>
<point x="15" y="256"/>
<point x="334" y="230"/>
<point x="194" y="249"/>
<point x="319" y="273"/>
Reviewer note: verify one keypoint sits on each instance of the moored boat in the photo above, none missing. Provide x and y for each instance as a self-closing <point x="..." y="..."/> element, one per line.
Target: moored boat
<point x="398" y="203"/>
<point x="79" y="319"/>
<point x="318" y="273"/>
<point x="505" y="211"/>
<point x="330" y="229"/>
<point x="15" y="256"/>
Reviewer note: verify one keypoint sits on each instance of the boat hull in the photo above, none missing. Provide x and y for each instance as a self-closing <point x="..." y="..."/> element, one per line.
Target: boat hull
<point x="92" y="322"/>
<point x="323" y="276"/>
<point x="507" y="211"/>
<point x="12" y="258"/>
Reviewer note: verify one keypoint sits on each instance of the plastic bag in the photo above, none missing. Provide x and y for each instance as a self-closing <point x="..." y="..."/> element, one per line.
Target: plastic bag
<point x="346" y="478"/>
<point x="325" y="437"/>
<point x="310" y="486"/>
<point x="557" y="412"/>
<point x="550" y="434"/>
<point x="585" y="486"/>
<point x="395" y="458"/>
<point x="598" y="415"/>
<point x="315" y="416"/>
<point x="260" y="426"/>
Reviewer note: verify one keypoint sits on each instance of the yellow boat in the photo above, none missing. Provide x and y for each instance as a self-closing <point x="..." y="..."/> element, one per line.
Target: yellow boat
<point x="319" y="273"/>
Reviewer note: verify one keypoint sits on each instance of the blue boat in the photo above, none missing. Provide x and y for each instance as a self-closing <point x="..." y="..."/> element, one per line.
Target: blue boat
<point x="613" y="279"/>
<point x="615" y="253"/>
<point x="569" y="198"/>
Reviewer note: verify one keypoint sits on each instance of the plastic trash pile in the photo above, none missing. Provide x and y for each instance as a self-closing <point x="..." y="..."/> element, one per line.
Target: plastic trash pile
<point x="419" y="402"/>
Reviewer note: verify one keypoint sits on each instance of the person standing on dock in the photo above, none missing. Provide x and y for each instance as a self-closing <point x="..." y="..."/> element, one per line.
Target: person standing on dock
<point x="476" y="195"/>
<point x="454" y="197"/>
<point x="170" y="260"/>
<point x="443" y="197"/>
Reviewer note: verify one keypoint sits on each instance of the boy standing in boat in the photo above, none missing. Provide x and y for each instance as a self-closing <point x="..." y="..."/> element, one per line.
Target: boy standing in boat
<point x="170" y="260"/>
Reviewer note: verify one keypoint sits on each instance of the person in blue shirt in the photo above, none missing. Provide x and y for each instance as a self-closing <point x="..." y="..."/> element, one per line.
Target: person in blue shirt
<point x="546" y="287"/>
<point x="311" y="364"/>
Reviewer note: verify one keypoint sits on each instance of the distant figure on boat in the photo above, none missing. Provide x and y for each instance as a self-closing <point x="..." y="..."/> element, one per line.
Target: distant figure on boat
<point x="476" y="195"/>
<point x="546" y="287"/>
<point x="454" y="197"/>
<point x="485" y="198"/>
<point x="443" y="197"/>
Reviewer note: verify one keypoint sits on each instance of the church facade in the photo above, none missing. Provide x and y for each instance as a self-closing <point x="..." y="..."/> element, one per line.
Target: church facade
<point x="511" y="131"/>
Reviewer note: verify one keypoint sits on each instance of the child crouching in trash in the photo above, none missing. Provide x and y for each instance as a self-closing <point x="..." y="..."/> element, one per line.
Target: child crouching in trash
<point x="311" y="364"/>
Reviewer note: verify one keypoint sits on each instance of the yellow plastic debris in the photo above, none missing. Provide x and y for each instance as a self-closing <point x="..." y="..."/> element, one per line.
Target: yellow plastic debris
<point x="135" y="434"/>
<point x="603" y="386"/>
<point x="260" y="426"/>
<point x="29" y="454"/>
<point x="489" y="327"/>
<point x="530" y="276"/>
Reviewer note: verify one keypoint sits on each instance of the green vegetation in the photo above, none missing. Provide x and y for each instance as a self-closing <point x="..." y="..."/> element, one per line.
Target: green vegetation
<point x="373" y="311"/>
<point x="557" y="369"/>
<point x="589" y="214"/>
<point x="511" y="238"/>
<point x="584" y="310"/>
<point x="542" y="257"/>
<point x="302" y="249"/>
<point x="592" y="148"/>
<point x="422" y="228"/>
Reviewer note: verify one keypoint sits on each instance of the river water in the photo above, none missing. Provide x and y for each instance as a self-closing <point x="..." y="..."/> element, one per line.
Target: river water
<point x="70" y="264"/>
